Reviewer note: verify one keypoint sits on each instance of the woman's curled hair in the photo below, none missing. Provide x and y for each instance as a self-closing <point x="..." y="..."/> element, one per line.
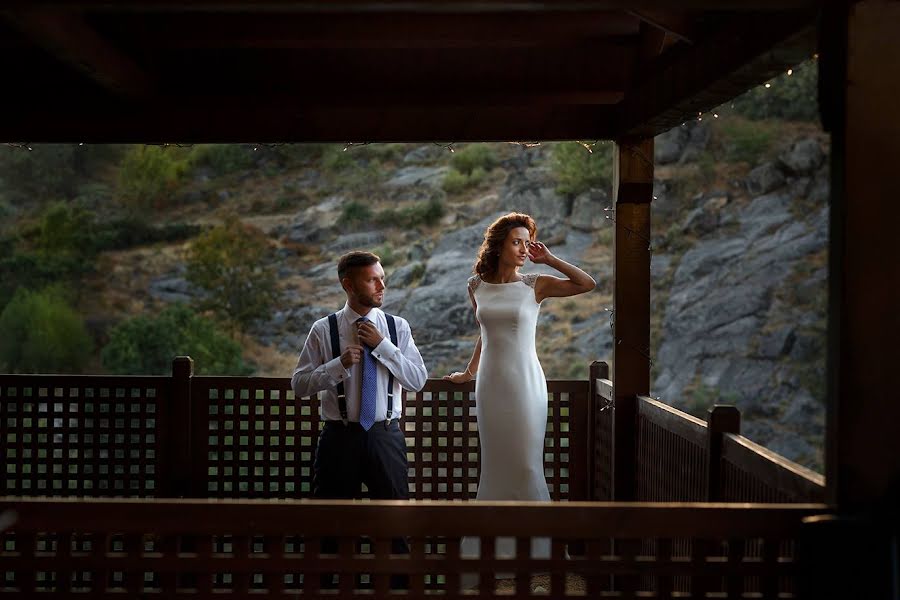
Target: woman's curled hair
<point x="488" y="260"/>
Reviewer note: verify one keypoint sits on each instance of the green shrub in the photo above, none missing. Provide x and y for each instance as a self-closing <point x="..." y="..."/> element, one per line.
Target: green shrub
<point x="454" y="181"/>
<point x="336" y="158"/>
<point x="65" y="230"/>
<point x="146" y="345"/>
<point x="41" y="333"/>
<point x="745" y="141"/>
<point x="576" y="170"/>
<point x="356" y="213"/>
<point x="386" y="152"/>
<point x="297" y="154"/>
<point x="473" y="156"/>
<point x="224" y="158"/>
<point x="387" y="254"/>
<point x="132" y="231"/>
<point x="149" y="174"/>
<point x="230" y="262"/>
<point x="49" y="171"/>
<point x="60" y="248"/>
<point x="422" y="213"/>
<point x="790" y="97"/>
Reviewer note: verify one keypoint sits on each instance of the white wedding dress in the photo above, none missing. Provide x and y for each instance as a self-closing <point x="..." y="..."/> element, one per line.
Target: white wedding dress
<point x="511" y="403"/>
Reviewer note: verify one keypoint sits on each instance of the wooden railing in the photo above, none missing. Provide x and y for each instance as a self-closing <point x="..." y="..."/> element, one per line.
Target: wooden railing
<point x="680" y="458"/>
<point x="233" y="548"/>
<point x="242" y="437"/>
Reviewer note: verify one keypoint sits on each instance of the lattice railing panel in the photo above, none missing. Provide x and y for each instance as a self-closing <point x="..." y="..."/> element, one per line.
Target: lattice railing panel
<point x="82" y="436"/>
<point x="285" y="549"/>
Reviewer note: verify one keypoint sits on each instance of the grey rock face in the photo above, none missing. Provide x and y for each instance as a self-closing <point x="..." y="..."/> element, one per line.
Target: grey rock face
<point x="364" y="240"/>
<point x="669" y="145"/>
<point x="174" y="289"/>
<point x="764" y="178"/>
<point x="542" y="203"/>
<point x="721" y="298"/>
<point x="804" y="156"/>
<point x="588" y="212"/>
<point x="424" y="154"/>
<point x="698" y="138"/>
<point x="417" y="176"/>
<point x="404" y="275"/>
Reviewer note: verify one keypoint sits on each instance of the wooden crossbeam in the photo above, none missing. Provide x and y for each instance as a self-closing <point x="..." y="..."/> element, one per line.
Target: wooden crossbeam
<point x="401" y="30"/>
<point x="676" y="24"/>
<point x="702" y="76"/>
<point x="255" y="122"/>
<point x="449" y="6"/>
<point x="67" y="37"/>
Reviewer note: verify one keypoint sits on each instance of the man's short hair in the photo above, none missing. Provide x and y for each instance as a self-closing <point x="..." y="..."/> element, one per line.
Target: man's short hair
<point x="354" y="259"/>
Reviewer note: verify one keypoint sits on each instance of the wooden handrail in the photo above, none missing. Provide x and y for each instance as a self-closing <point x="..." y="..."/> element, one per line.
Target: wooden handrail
<point x="793" y="481"/>
<point x="395" y="517"/>
<point x="680" y="423"/>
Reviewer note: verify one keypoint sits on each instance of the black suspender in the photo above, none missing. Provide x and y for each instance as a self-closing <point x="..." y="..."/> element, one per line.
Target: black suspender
<point x="336" y="353"/>
<point x="392" y="329"/>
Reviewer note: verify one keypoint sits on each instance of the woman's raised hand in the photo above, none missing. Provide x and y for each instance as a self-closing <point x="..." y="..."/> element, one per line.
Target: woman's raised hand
<point x="538" y="253"/>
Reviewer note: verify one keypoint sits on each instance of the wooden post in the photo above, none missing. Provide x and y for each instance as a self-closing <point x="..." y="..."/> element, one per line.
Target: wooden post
<point x="861" y="84"/>
<point x="633" y="192"/>
<point x="720" y="419"/>
<point x="597" y="370"/>
<point x="178" y="446"/>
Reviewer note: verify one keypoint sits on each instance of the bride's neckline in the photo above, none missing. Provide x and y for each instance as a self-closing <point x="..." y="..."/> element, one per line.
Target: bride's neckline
<point x="519" y="280"/>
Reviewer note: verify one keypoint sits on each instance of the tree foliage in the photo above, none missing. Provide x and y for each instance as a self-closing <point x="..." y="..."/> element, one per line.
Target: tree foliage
<point x="41" y="333"/>
<point x="59" y="249"/>
<point x="48" y="172"/>
<point x="149" y="174"/>
<point x="577" y="170"/>
<point x="790" y="97"/>
<point x="230" y="263"/>
<point x="146" y="345"/>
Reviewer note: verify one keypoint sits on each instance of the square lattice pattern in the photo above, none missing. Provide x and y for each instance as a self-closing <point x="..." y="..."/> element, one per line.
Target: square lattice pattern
<point x="260" y="440"/>
<point x="80" y="436"/>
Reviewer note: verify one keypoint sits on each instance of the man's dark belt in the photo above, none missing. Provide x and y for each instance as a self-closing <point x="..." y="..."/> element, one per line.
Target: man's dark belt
<point x="335" y="422"/>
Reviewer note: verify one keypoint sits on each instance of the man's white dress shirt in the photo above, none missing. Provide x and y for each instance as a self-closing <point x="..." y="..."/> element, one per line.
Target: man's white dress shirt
<point x="317" y="371"/>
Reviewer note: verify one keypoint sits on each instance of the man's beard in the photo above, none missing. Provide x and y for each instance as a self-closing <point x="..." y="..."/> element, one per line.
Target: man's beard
<point x="370" y="301"/>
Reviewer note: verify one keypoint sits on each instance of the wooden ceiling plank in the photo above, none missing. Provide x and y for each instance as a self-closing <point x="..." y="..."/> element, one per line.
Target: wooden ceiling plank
<point x="686" y="83"/>
<point x="374" y="31"/>
<point x="313" y="124"/>
<point x="445" y="6"/>
<point x="676" y="24"/>
<point x="68" y="38"/>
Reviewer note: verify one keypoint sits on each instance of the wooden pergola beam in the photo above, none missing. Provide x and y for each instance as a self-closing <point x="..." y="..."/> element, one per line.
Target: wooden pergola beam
<point x="677" y="24"/>
<point x="311" y="124"/>
<point x="449" y="6"/>
<point x="379" y="30"/>
<point x="66" y="36"/>
<point x="702" y="76"/>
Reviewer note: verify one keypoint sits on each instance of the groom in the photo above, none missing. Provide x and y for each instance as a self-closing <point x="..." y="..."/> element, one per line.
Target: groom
<point x="360" y="357"/>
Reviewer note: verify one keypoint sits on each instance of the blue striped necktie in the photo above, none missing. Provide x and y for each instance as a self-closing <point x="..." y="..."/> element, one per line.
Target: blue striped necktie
<point x="369" y="386"/>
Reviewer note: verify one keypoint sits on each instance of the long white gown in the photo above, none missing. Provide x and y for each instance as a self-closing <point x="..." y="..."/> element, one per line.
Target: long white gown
<point x="511" y="402"/>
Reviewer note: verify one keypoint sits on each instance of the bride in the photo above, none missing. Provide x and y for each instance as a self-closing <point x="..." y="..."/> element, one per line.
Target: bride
<point x="510" y="390"/>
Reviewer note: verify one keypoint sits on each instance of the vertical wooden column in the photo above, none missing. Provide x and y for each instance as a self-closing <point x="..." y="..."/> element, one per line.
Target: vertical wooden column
<point x="720" y="419"/>
<point x="853" y="554"/>
<point x="863" y="449"/>
<point x="178" y="417"/>
<point x="632" y="192"/>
